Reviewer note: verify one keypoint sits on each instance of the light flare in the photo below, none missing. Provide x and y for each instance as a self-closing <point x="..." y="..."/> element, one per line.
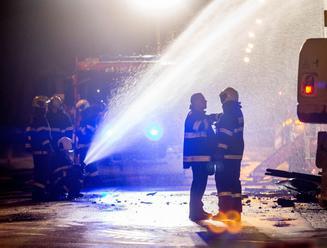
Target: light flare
<point x="163" y="87"/>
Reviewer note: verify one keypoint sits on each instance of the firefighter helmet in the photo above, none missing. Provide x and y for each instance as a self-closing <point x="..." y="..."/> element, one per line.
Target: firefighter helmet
<point x="82" y="104"/>
<point x="56" y="102"/>
<point x="198" y="101"/>
<point x="65" y="144"/>
<point x="40" y="102"/>
<point x="228" y="94"/>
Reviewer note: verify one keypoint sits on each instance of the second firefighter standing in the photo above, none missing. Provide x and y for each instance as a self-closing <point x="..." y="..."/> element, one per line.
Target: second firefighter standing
<point x="228" y="155"/>
<point x="38" y="142"/>
<point x="198" y="148"/>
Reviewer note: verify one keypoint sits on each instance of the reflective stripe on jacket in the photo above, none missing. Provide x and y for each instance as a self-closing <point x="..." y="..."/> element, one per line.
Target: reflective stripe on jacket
<point x="229" y="133"/>
<point x="38" y="136"/>
<point x="198" y="139"/>
<point x="61" y="125"/>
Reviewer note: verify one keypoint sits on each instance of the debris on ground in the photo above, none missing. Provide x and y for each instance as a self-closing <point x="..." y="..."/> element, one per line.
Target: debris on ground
<point x="304" y="187"/>
<point x="282" y="224"/>
<point x="151" y="194"/>
<point x="285" y="202"/>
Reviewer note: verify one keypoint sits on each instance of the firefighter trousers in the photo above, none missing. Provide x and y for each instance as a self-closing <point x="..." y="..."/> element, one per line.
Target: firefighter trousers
<point x="199" y="184"/>
<point x="41" y="176"/>
<point x="228" y="185"/>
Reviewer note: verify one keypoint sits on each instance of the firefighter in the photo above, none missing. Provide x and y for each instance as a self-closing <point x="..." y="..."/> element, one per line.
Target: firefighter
<point x="66" y="177"/>
<point x="87" y="127"/>
<point x="228" y="154"/>
<point x="39" y="143"/>
<point x="197" y="153"/>
<point x="59" y="121"/>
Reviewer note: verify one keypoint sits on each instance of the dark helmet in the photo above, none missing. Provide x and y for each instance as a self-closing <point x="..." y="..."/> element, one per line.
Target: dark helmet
<point x="40" y="102"/>
<point x="65" y="144"/>
<point x="82" y="105"/>
<point x="56" y="102"/>
<point x="228" y="94"/>
<point x="196" y="97"/>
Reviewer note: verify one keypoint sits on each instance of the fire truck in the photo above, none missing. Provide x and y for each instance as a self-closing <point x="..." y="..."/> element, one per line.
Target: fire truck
<point x="312" y="97"/>
<point x="296" y="137"/>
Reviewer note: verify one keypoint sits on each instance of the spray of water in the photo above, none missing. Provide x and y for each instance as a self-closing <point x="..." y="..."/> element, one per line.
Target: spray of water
<point x="218" y="49"/>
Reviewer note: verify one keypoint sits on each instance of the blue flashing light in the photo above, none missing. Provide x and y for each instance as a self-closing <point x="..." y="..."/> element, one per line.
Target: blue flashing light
<point x="154" y="132"/>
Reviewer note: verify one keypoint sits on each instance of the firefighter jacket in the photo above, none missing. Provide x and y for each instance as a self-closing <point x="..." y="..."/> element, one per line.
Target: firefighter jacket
<point x="87" y="128"/>
<point x="38" y="136"/>
<point x="66" y="177"/>
<point x="198" y="139"/>
<point x="229" y="133"/>
<point x="61" y="126"/>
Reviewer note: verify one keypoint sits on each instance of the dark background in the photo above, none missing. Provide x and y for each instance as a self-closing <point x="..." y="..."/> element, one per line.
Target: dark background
<point x="40" y="40"/>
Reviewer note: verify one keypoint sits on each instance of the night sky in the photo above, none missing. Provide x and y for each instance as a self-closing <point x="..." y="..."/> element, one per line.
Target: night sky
<point x="40" y="39"/>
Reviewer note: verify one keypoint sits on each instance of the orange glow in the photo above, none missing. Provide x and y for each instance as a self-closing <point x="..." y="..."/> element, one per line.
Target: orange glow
<point x="233" y="215"/>
<point x="234" y="227"/>
<point x="308" y="89"/>
<point x="216" y="227"/>
<point x="231" y="223"/>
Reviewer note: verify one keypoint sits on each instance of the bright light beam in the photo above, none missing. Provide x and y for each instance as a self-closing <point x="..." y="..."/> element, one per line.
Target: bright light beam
<point x="151" y="6"/>
<point x="166" y="86"/>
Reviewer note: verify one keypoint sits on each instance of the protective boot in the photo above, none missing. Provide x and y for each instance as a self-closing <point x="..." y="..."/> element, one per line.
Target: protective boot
<point x="202" y="215"/>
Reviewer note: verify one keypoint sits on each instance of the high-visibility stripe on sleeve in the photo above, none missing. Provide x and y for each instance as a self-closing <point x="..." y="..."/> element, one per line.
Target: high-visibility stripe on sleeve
<point x="93" y="174"/>
<point x="237" y="195"/>
<point x="55" y="129"/>
<point x="191" y="159"/>
<point x="206" y="124"/>
<point x="238" y="130"/>
<point x="232" y="157"/>
<point x="39" y="185"/>
<point x="27" y="145"/>
<point x="83" y="145"/>
<point x="223" y="146"/>
<point x="60" y="169"/>
<point x="226" y="131"/>
<point x="40" y="152"/>
<point x="225" y="193"/>
<point x="46" y="142"/>
<point x="90" y="127"/>
<point x="193" y="135"/>
<point x="43" y="129"/>
<point x="196" y="125"/>
<point x="69" y="129"/>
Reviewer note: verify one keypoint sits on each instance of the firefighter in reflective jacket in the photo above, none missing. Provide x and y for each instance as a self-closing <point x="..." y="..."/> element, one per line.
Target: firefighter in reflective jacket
<point x="66" y="177"/>
<point x="38" y="141"/>
<point x="228" y="155"/>
<point x="197" y="153"/>
<point x="85" y="133"/>
<point x="59" y="121"/>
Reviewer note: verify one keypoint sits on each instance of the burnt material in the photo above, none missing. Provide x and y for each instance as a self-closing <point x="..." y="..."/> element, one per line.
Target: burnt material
<point x="305" y="187"/>
<point x="296" y="175"/>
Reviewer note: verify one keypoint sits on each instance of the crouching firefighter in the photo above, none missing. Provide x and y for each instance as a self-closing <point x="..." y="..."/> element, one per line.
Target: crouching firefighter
<point x="38" y="141"/>
<point x="228" y="156"/>
<point x="66" y="177"/>
<point x="198" y="147"/>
